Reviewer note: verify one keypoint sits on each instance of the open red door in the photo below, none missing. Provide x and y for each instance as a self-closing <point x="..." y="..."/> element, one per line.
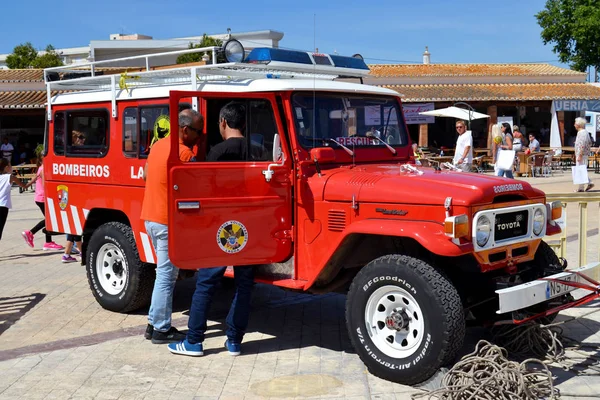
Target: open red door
<point x="230" y="213"/>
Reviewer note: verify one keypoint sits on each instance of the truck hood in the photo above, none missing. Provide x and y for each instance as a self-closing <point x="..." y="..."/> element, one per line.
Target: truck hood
<point x="389" y="184"/>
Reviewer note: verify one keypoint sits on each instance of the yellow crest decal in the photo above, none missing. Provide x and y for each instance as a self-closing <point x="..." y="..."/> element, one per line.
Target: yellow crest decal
<point x="63" y="196"/>
<point x="232" y="237"/>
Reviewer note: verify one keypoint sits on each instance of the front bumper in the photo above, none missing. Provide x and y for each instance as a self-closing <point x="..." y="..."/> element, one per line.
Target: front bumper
<point x="581" y="282"/>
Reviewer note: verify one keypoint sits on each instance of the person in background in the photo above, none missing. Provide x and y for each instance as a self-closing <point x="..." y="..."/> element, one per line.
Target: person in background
<point x="583" y="146"/>
<point x="418" y="154"/>
<point x="69" y="248"/>
<point x="463" y="155"/>
<point x="534" y="145"/>
<point x="518" y="139"/>
<point x="6" y="150"/>
<point x="496" y="142"/>
<point x="40" y="201"/>
<point x="507" y="144"/>
<point x="155" y="216"/>
<point x="6" y="181"/>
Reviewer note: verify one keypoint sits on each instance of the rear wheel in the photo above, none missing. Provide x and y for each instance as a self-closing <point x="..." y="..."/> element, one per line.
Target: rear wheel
<point x="118" y="279"/>
<point x="404" y="319"/>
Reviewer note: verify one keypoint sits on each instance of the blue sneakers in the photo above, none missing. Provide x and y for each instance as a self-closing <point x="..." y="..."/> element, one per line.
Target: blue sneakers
<point x="186" y="348"/>
<point x="233" y="348"/>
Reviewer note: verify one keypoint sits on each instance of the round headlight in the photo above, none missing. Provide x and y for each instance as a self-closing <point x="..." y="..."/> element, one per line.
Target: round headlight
<point x="538" y="222"/>
<point x="483" y="230"/>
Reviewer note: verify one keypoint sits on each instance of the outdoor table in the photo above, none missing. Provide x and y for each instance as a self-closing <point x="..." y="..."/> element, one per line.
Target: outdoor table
<point x="25" y="172"/>
<point x="440" y="160"/>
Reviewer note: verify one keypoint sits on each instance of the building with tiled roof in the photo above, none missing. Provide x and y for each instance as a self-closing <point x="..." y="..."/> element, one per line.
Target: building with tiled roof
<point x="521" y="93"/>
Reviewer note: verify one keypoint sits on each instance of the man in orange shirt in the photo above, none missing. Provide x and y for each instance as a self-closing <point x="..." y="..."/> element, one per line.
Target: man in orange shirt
<point x="155" y="215"/>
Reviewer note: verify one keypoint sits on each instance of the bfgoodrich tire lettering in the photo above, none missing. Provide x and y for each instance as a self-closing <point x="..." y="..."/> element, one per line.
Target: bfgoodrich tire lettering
<point x="118" y="279"/>
<point x="424" y="327"/>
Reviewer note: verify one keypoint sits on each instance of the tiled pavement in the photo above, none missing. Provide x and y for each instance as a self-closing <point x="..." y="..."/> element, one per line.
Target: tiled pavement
<point x="56" y="342"/>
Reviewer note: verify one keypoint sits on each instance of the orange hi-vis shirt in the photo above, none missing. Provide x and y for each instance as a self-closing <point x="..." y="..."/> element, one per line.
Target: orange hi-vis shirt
<point x="155" y="207"/>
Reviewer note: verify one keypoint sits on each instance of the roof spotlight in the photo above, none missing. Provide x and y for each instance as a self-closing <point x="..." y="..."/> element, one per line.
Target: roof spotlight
<point x="234" y="51"/>
<point x="358" y="56"/>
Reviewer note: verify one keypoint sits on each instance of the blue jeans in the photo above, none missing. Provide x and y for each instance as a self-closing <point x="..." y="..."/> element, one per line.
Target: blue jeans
<point x="507" y="172"/>
<point x="161" y="305"/>
<point x="239" y="313"/>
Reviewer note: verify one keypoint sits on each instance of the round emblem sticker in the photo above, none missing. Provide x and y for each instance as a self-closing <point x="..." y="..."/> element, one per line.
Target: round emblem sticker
<point x="232" y="237"/>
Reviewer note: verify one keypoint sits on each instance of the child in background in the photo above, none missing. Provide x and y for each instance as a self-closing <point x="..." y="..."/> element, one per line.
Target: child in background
<point x="6" y="181"/>
<point x="40" y="201"/>
<point x="67" y="258"/>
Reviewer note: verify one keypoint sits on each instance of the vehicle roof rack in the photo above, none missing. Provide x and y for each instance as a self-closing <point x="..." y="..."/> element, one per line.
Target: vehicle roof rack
<point x="261" y="63"/>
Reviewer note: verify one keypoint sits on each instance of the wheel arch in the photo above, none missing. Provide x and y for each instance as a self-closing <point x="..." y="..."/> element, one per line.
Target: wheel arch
<point x="368" y="239"/>
<point x="96" y="218"/>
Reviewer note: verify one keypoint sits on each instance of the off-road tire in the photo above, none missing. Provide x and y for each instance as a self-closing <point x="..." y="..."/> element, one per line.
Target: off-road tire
<point x="441" y="306"/>
<point x="139" y="279"/>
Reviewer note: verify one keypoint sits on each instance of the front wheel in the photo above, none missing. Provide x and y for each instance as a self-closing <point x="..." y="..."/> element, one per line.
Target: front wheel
<point x="119" y="280"/>
<point x="404" y="318"/>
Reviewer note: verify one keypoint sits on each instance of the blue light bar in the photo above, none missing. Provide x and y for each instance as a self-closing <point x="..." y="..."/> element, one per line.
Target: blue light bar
<point x="348" y="62"/>
<point x="265" y="55"/>
<point x="308" y="62"/>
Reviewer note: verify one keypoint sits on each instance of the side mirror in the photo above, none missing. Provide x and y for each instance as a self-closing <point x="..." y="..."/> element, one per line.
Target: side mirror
<point x="278" y="157"/>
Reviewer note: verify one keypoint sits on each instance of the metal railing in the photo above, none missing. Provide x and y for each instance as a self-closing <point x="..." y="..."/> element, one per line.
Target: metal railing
<point x="582" y="199"/>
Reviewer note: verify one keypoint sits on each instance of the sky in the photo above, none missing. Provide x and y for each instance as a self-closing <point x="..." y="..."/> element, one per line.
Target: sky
<point x="383" y="31"/>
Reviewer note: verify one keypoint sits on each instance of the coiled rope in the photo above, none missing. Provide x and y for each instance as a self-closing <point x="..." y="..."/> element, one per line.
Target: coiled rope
<point x="488" y="374"/>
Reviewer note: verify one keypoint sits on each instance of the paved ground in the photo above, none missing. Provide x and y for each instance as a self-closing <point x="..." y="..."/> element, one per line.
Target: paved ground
<point x="57" y="343"/>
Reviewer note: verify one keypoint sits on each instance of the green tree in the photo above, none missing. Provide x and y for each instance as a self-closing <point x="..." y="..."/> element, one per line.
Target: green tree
<point x="50" y="59"/>
<point x="25" y="56"/>
<point x="22" y="56"/>
<point x="573" y="27"/>
<point x="206" y="41"/>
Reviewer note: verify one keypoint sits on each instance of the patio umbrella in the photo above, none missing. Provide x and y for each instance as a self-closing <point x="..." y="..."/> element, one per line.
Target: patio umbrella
<point x="455" y="112"/>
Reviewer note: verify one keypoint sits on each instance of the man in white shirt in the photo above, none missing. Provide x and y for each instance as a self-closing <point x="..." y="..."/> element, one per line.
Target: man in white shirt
<point x="463" y="155"/>
<point x="6" y="150"/>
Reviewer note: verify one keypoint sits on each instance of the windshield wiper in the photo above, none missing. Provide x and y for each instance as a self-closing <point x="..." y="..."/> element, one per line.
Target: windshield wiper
<point x="393" y="150"/>
<point x="350" y="152"/>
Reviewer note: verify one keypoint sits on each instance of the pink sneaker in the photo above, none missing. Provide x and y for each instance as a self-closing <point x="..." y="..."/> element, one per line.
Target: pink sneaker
<point x="28" y="236"/>
<point x="52" y="246"/>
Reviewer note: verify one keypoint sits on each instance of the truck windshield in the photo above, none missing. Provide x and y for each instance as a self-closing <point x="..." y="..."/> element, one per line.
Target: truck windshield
<point x="348" y="120"/>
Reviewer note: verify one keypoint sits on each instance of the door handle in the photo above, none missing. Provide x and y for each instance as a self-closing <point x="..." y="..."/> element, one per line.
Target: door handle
<point x="188" y="205"/>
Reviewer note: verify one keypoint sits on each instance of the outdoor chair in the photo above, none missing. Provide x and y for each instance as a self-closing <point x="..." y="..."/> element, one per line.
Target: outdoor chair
<point x="548" y="164"/>
<point x="478" y="164"/>
<point x="535" y="164"/>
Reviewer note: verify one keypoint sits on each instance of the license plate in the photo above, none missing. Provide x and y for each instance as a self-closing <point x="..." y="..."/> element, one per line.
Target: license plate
<point x="511" y="225"/>
<point x="535" y="292"/>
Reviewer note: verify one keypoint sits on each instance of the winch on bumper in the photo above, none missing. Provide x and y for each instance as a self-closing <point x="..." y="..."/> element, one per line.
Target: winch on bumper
<point x="582" y="283"/>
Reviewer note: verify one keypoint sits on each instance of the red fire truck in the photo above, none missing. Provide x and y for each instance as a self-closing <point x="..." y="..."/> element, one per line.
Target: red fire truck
<point x="329" y="200"/>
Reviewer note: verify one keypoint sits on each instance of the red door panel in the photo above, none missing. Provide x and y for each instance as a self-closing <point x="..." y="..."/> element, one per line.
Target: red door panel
<point x="227" y="214"/>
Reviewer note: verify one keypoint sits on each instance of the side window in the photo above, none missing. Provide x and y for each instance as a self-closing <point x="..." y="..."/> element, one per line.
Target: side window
<point x="261" y="130"/>
<point x="260" y="126"/>
<point x="87" y="133"/>
<point x="130" y="132"/>
<point x="154" y="125"/>
<point x="59" y="133"/>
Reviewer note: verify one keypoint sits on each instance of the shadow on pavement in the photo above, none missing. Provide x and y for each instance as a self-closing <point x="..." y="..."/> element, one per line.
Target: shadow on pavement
<point x="13" y="309"/>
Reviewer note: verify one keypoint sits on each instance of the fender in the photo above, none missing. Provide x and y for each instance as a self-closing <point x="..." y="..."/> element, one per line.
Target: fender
<point x="429" y="234"/>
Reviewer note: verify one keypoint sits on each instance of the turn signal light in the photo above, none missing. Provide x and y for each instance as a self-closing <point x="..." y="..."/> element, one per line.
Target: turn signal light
<point x="457" y="226"/>
<point x="555" y="210"/>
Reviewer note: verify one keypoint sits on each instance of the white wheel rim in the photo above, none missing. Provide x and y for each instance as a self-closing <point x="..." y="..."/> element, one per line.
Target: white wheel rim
<point x="394" y="321"/>
<point x="111" y="269"/>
